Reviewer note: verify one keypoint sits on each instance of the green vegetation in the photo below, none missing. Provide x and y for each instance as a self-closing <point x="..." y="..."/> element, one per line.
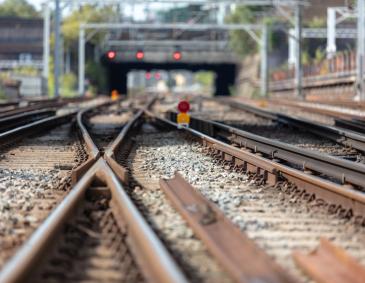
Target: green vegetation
<point x="204" y="78"/>
<point x="87" y="13"/>
<point x="18" y="8"/>
<point x="181" y="14"/>
<point x="96" y="74"/>
<point x="69" y="85"/>
<point x="240" y="40"/>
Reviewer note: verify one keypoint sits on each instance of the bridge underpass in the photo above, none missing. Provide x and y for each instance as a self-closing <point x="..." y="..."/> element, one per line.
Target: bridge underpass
<point x="117" y="71"/>
<point x="203" y="47"/>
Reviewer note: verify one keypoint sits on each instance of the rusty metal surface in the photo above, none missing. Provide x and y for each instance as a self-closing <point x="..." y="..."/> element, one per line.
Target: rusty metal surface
<point x="33" y="107"/>
<point x="27" y="258"/>
<point x="344" y="197"/>
<point x="327" y="112"/>
<point x="151" y="255"/>
<point x="152" y="258"/>
<point x="110" y="152"/>
<point x="233" y="249"/>
<point x="24" y="118"/>
<point x="342" y="170"/>
<point x="92" y="149"/>
<point x="34" y="127"/>
<point x="330" y="264"/>
<point x="341" y="136"/>
<point x="353" y="125"/>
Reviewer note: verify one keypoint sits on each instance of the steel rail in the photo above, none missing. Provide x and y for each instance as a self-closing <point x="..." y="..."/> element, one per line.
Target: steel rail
<point x="342" y="197"/>
<point x="24" y="118"/>
<point x="232" y="248"/>
<point x="34" y="127"/>
<point x="32" y="107"/>
<point x="343" y="170"/>
<point x="335" y="134"/>
<point x="91" y="148"/>
<point x="352" y="125"/>
<point x="114" y="147"/>
<point x="330" y="264"/>
<point x="151" y="255"/>
<point x="327" y="112"/>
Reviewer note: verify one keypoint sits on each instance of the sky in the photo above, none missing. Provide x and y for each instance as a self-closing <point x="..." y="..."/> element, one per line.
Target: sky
<point x="36" y="3"/>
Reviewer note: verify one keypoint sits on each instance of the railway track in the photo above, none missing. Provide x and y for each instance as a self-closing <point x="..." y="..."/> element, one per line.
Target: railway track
<point x="130" y="217"/>
<point x="289" y="205"/>
<point x="35" y="174"/>
<point x="105" y="237"/>
<point x="37" y="159"/>
<point x="305" y="134"/>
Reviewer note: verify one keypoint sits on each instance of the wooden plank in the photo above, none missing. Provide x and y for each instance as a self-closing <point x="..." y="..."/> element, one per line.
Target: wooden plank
<point x="239" y="255"/>
<point x="330" y="264"/>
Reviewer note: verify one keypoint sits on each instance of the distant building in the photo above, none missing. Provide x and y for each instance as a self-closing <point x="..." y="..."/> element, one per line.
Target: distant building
<point x="21" y="42"/>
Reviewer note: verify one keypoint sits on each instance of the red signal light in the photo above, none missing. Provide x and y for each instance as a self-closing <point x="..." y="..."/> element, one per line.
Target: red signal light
<point x="148" y="76"/>
<point x="140" y="55"/>
<point x="111" y="55"/>
<point x="183" y="106"/>
<point x="157" y="76"/>
<point x="177" y="55"/>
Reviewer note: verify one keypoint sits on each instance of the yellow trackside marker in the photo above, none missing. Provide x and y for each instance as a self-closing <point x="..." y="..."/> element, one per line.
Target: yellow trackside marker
<point x="115" y="95"/>
<point x="183" y="119"/>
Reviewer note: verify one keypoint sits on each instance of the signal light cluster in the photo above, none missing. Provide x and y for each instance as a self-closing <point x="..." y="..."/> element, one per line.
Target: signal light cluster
<point x="139" y="55"/>
<point x="148" y="76"/>
<point x="177" y="55"/>
<point x="111" y="55"/>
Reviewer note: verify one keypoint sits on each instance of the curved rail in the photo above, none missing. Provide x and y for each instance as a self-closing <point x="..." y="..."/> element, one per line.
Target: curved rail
<point x="151" y="256"/>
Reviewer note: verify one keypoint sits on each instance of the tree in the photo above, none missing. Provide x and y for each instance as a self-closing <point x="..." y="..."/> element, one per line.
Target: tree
<point x="240" y="40"/>
<point x="70" y="31"/>
<point x="87" y="13"/>
<point x="18" y="8"/>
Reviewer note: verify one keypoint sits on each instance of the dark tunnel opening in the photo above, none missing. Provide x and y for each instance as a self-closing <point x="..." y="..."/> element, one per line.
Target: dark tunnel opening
<point x="118" y="72"/>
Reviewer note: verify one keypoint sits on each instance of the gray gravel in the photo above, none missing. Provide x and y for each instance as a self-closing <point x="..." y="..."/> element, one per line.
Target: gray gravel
<point x="189" y="252"/>
<point x="34" y="178"/>
<point x="278" y="222"/>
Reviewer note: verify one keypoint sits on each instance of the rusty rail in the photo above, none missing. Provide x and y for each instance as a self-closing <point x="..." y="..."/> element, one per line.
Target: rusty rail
<point x="24" y="118"/>
<point x="233" y="249"/>
<point x="330" y="264"/>
<point x="34" y="127"/>
<point x="152" y="257"/>
<point x="340" y="136"/>
<point x="343" y="199"/>
<point x="352" y="125"/>
<point x="321" y="111"/>
<point x="111" y="151"/>
<point x="32" y="107"/>
<point x="344" y="171"/>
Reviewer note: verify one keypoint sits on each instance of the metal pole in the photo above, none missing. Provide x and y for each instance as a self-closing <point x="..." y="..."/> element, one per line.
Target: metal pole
<point x="46" y="34"/>
<point x="82" y="61"/>
<point x="264" y="61"/>
<point x="292" y="47"/>
<point x="331" y="32"/>
<point x="298" y="51"/>
<point x="57" y="54"/>
<point x="360" y="49"/>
